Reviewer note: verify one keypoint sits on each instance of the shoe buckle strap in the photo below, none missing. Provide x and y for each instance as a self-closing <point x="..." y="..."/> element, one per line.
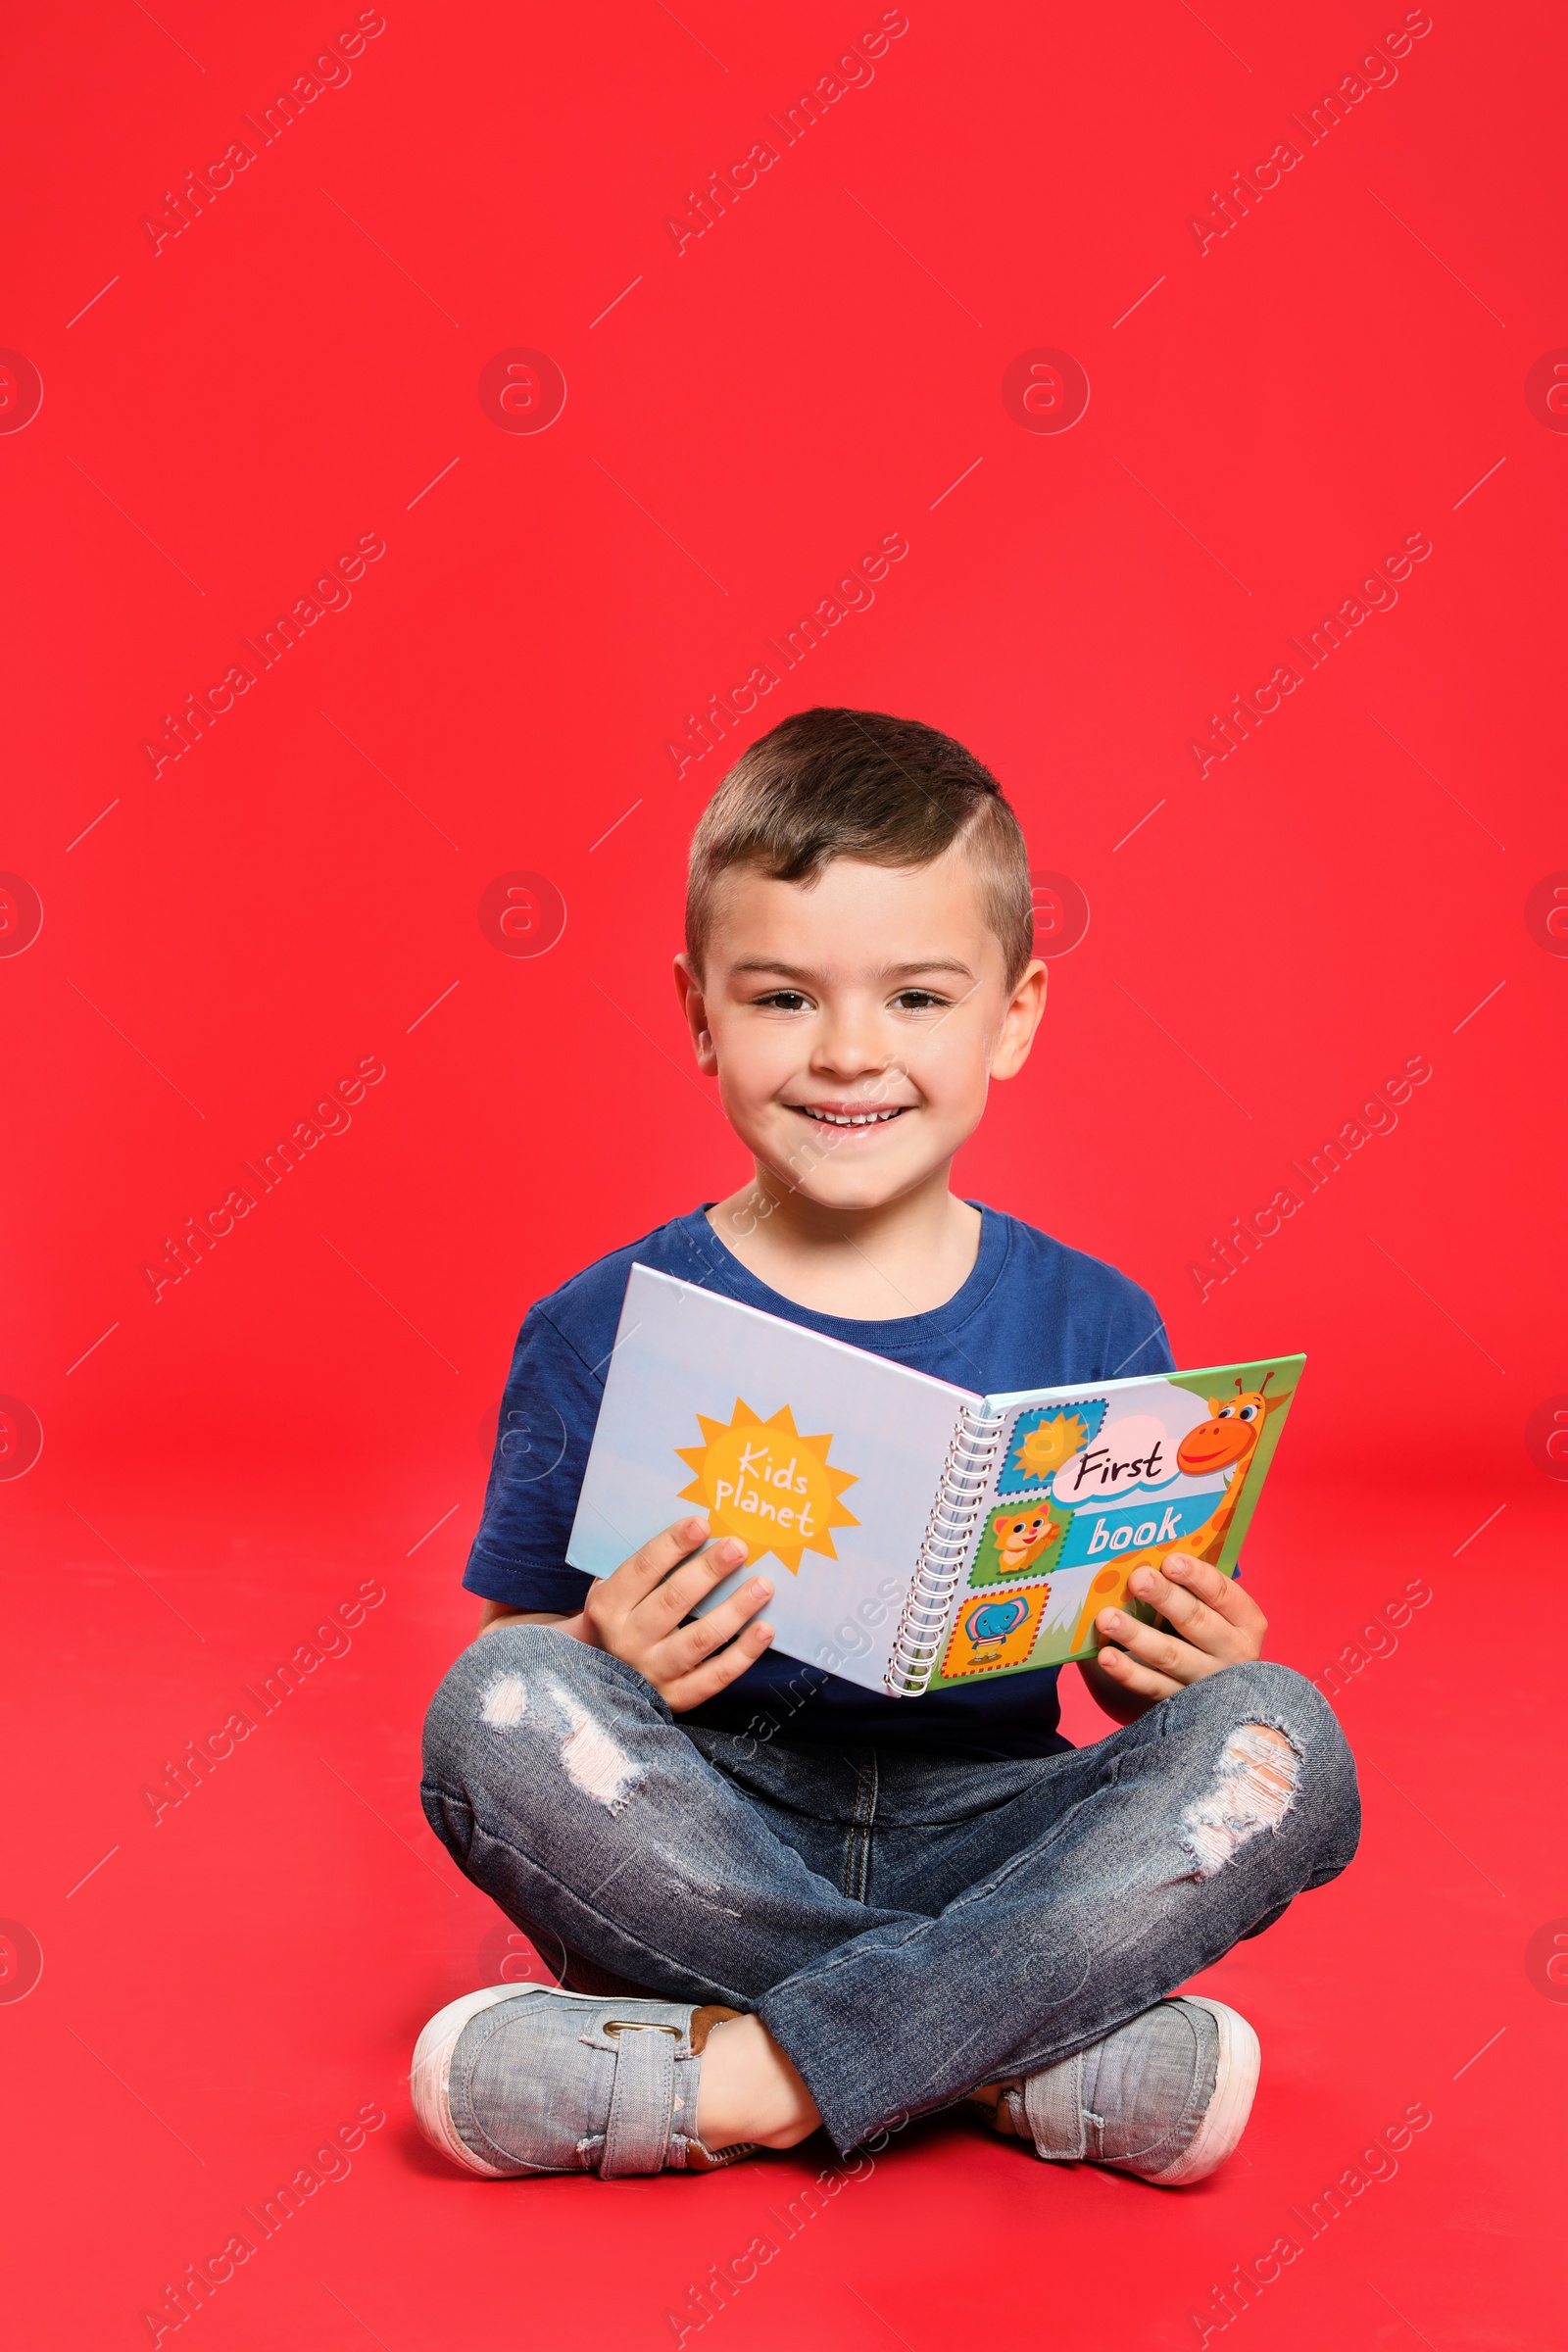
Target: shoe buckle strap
<point x="642" y="2100"/>
<point x="1052" y="2105"/>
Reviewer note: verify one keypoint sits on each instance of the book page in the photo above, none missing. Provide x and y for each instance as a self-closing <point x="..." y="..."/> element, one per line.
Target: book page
<point x="824" y="1459"/>
<point x="1091" y="1484"/>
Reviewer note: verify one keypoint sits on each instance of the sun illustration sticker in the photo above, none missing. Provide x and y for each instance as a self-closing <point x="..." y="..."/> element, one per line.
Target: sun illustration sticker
<point x="1043" y="1438"/>
<point x="765" y="1483"/>
<point x="1049" y="1445"/>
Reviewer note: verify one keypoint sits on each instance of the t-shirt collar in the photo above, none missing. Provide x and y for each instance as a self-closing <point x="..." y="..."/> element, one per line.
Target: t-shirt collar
<point x="895" y="1335"/>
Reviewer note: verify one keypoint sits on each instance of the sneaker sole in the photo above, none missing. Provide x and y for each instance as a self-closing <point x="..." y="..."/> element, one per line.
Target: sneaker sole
<point x="430" y="2076"/>
<point x="1225" y="2118"/>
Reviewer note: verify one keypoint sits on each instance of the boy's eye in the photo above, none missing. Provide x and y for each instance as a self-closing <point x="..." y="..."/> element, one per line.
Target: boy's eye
<point x="784" y="999"/>
<point x="915" y="1000"/>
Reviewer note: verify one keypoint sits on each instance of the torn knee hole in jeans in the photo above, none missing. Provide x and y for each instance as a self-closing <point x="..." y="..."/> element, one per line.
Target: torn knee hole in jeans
<point x="1255" y="1788"/>
<point x="504" y="1702"/>
<point x="593" y="1761"/>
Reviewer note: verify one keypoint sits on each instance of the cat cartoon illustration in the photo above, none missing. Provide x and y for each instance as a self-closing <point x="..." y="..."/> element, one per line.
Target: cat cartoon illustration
<point x="1021" y="1536"/>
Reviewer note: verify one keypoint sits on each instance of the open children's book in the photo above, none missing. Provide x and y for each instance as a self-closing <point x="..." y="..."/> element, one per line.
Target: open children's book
<point x="917" y="1535"/>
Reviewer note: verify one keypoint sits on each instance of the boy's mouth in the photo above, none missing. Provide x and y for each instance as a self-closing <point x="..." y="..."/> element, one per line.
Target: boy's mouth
<point x="837" y="1115"/>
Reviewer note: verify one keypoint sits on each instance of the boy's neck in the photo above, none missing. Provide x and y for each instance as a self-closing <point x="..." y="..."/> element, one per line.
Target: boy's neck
<point x="870" y="1265"/>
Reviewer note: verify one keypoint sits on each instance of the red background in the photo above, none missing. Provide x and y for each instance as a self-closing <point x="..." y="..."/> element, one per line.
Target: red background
<point x="1267" y="419"/>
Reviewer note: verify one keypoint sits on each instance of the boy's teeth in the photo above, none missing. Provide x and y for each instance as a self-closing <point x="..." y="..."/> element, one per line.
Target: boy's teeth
<point x="840" y="1118"/>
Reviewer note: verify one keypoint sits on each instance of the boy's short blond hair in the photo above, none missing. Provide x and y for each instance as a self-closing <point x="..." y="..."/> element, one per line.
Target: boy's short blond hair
<point x="826" y="784"/>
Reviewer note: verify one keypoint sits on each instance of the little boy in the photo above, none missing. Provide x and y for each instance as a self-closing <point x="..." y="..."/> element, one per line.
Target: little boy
<point x="779" y="1900"/>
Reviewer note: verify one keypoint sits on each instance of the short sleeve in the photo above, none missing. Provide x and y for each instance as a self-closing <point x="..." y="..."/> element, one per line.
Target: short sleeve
<point x="548" y="1417"/>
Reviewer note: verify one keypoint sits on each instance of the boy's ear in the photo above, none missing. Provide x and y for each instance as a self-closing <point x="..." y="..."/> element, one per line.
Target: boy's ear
<point x="1025" y="1007"/>
<point x="689" y="990"/>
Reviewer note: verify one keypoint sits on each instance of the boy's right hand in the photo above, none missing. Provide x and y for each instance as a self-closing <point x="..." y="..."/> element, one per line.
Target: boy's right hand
<point x="636" y="1615"/>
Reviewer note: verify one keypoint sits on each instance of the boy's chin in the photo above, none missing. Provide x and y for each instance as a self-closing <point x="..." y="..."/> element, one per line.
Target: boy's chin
<point x="852" y="1191"/>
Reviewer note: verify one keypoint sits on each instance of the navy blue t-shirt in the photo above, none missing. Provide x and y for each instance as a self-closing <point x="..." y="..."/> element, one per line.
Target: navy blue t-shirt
<point x="1032" y="1314"/>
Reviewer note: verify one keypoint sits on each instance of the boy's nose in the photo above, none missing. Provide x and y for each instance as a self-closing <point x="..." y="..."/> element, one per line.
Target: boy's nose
<point x="852" y="1047"/>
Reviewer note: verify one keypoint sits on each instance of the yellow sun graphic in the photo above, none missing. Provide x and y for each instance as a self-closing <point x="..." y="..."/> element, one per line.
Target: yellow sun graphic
<point x="1050" y="1445"/>
<point x="765" y="1483"/>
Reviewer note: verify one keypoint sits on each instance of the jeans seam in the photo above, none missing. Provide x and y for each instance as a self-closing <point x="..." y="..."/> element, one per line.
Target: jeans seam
<point x="858" y="1847"/>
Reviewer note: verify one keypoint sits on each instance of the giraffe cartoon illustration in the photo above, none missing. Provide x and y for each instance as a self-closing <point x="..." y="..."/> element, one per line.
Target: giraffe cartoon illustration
<point x="1227" y="1441"/>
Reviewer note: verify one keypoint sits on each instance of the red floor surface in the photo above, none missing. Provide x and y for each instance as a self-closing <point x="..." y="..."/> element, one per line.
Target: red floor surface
<point x="1205" y="380"/>
<point x="225" y="1989"/>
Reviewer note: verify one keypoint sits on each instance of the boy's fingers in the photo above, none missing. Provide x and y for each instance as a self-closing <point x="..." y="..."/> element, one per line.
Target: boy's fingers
<point x="1179" y="1660"/>
<point x="1191" y="1619"/>
<point x="1129" y="1675"/>
<point x="691" y="1689"/>
<point x="689" y="1645"/>
<point x="653" y="1561"/>
<point x="679" y="1593"/>
<point x="1198" y="1576"/>
<point x="1222" y="1593"/>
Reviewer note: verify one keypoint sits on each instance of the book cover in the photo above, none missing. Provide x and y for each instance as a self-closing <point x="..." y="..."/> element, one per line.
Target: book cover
<point x="917" y="1535"/>
<point x="823" y="1460"/>
<point x="1084" y="1486"/>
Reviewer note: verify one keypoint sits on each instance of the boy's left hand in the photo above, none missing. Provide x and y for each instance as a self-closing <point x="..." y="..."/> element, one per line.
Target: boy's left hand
<point x="1212" y="1622"/>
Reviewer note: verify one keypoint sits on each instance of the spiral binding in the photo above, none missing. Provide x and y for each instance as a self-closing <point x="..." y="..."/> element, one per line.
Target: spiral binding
<point x="944" y="1549"/>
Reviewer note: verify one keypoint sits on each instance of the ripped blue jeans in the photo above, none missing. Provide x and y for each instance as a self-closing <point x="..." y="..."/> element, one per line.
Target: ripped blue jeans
<point x="905" y="1926"/>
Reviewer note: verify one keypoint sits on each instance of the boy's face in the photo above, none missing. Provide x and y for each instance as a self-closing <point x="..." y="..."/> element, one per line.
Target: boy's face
<point x="854" y="1023"/>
